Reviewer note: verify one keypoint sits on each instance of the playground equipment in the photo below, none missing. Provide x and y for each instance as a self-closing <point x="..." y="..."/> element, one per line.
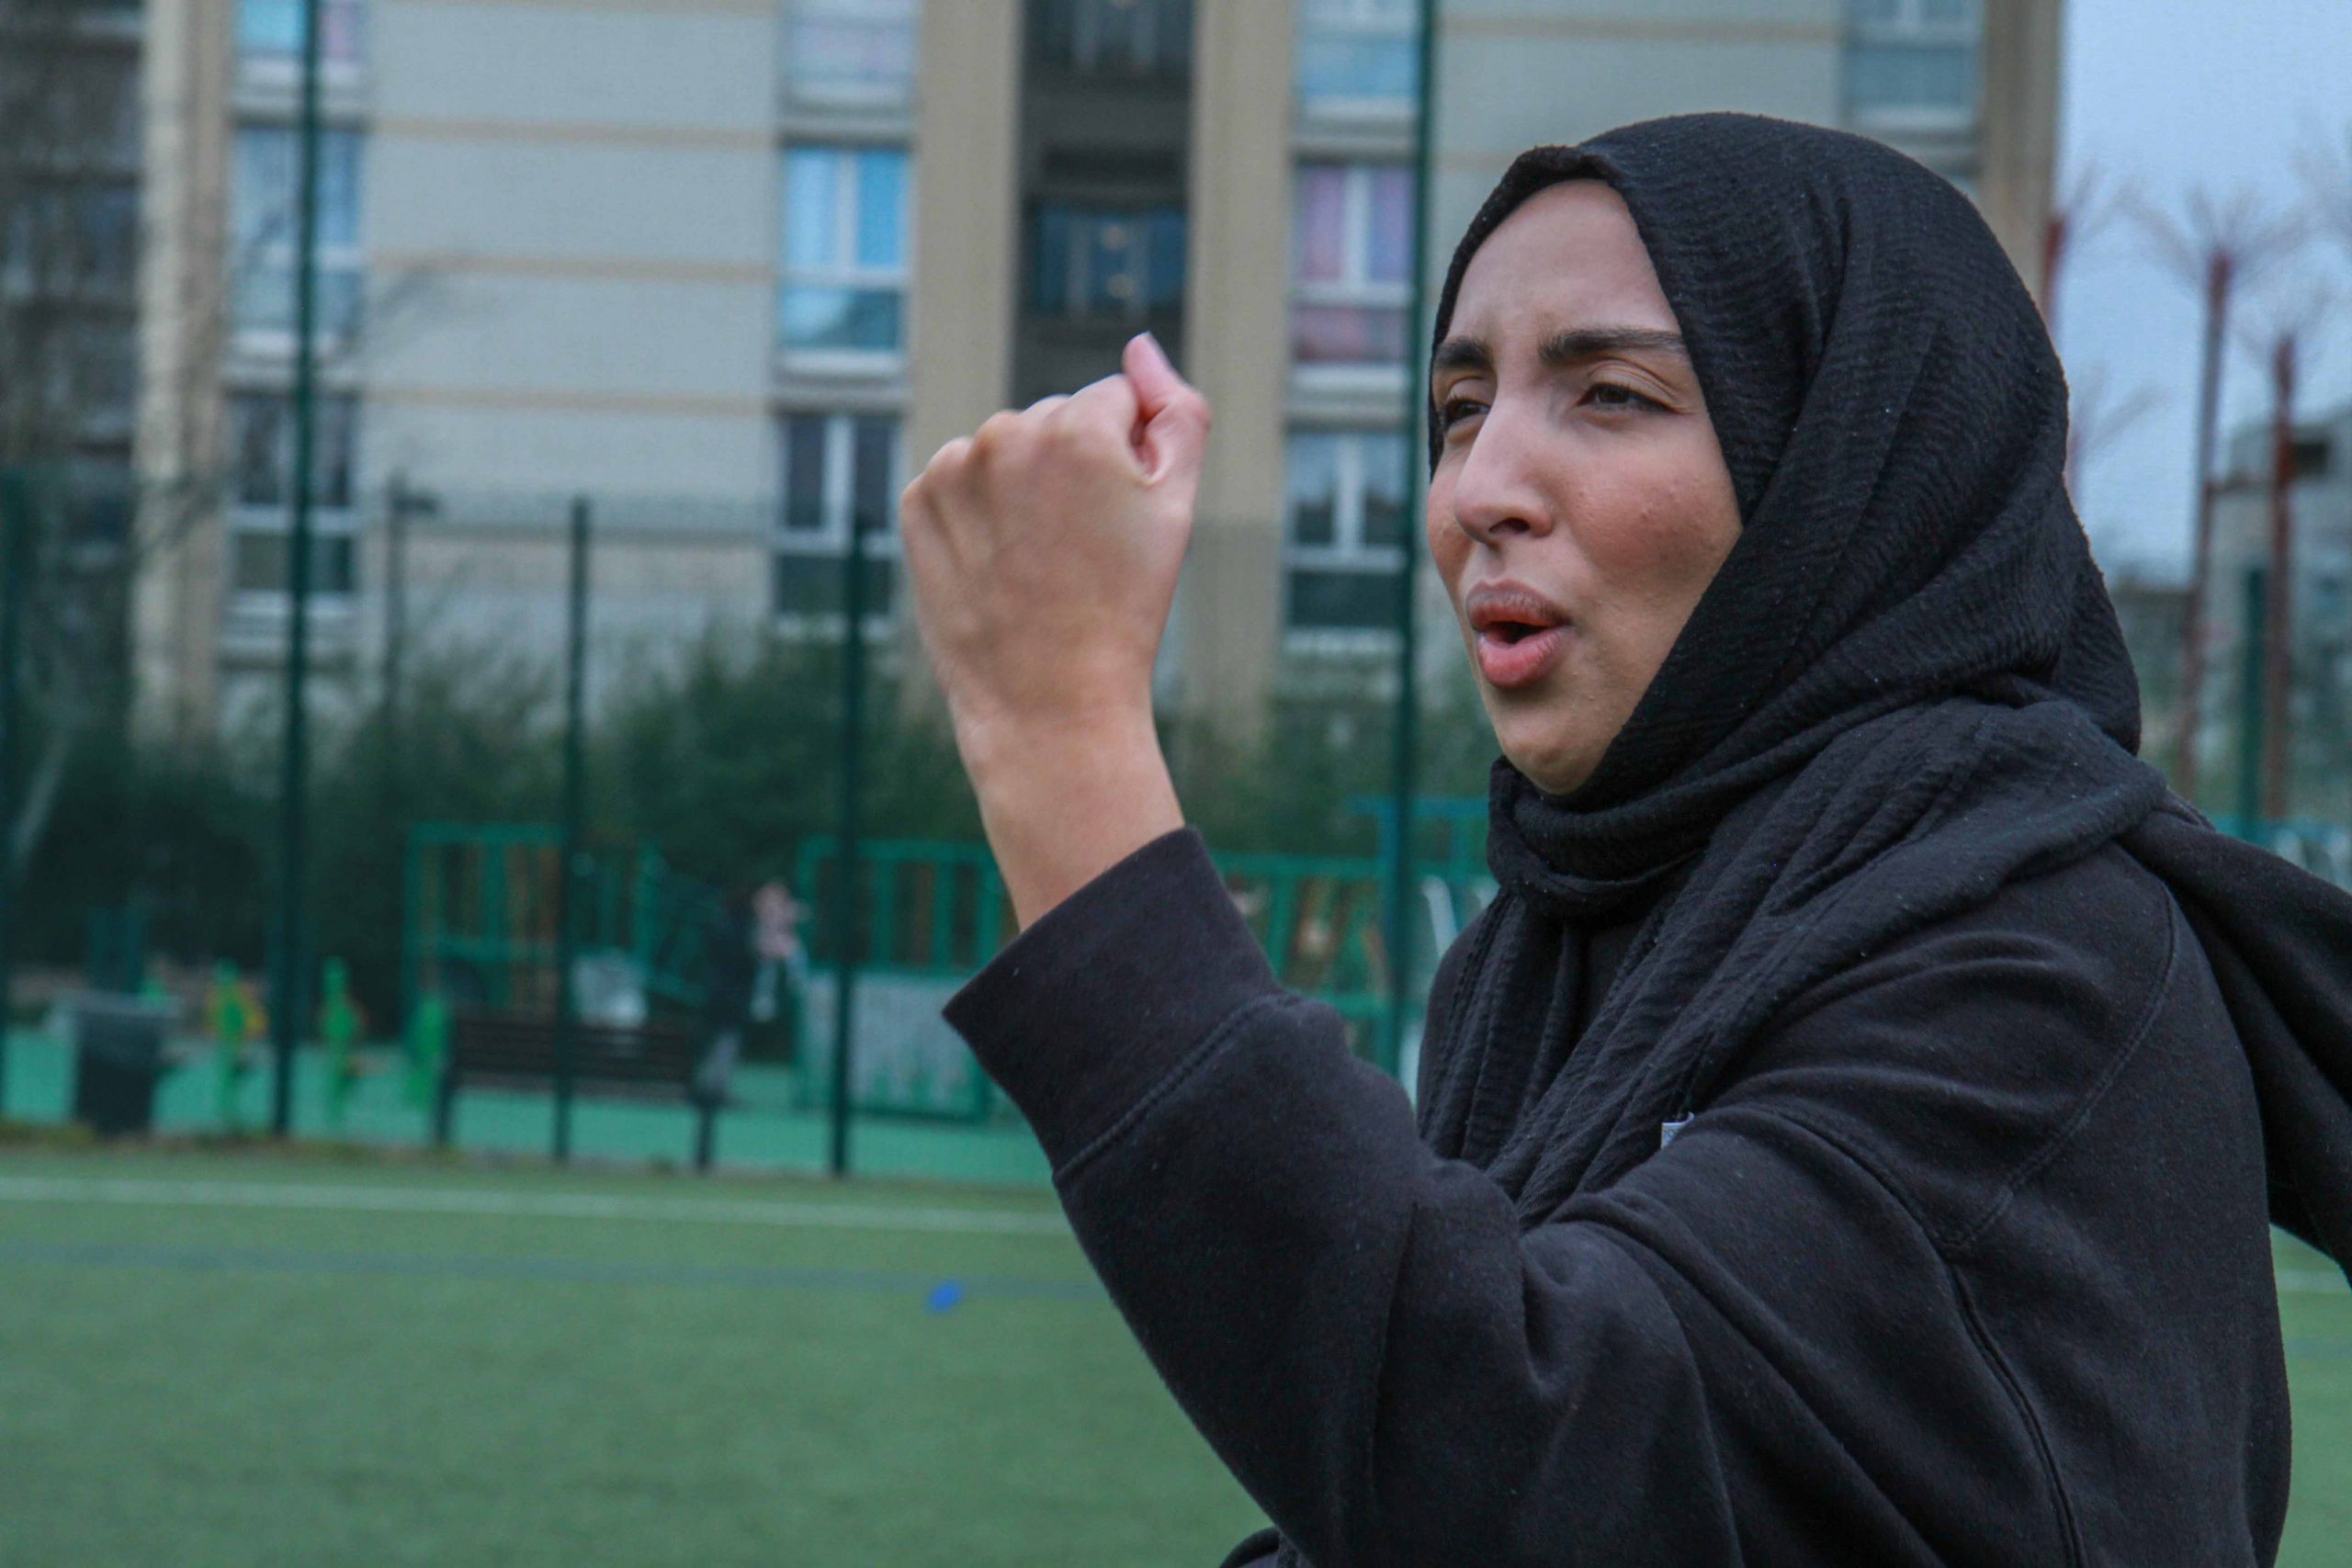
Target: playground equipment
<point x="480" y="933"/>
<point x="935" y="912"/>
<point x="232" y="1015"/>
<point x="481" y="903"/>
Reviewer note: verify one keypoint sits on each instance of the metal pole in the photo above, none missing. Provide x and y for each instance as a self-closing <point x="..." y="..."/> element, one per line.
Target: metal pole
<point x="2278" y="624"/>
<point x="396" y="506"/>
<point x="398" y="503"/>
<point x="1403" y="763"/>
<point x="847" y="906"/>
<point x="285" y="1008"/>
<point x="2253" y="720"/>
<point x="568" y="872"/>
<point x="16" y="517"/>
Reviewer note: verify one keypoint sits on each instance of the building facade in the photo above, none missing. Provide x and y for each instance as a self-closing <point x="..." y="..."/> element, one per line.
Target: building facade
<point x="730" y="270"/>
<point x="71" y="159"/>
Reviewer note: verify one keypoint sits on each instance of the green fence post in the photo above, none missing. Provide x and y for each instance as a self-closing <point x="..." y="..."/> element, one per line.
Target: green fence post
<point x="338" y="1030"/>
<point x="567" y="874"/>
<point x="2252" y="715"/>
<point x="849" y="937"/>
<point x="1404" y="764"/>
<point x="16" y="521"/>
<point x="428" y="1048"/>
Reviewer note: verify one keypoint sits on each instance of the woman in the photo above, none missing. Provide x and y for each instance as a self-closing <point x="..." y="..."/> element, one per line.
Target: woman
<point x="1849" y="1135"/>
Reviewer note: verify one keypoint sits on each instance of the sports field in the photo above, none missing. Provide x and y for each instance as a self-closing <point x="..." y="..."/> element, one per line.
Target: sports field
<point x="248" y="1357"/>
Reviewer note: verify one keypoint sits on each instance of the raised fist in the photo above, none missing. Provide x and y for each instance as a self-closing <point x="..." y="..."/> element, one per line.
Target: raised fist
<point x="1044" y="549"/>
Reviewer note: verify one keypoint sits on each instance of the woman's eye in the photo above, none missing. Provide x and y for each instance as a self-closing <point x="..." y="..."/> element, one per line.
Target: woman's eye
<point x="1453" y="411"/>
<point x="1609" y="395"/>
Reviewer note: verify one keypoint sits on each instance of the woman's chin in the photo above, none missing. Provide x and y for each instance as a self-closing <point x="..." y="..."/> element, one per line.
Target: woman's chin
<point x="1550" y="766"/>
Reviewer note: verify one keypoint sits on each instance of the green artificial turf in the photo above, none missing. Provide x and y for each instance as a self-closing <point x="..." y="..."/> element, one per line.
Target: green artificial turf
<point x="243" y="1356"/>
<point x="205" y="1384"/>
<point x="2315" y="1311"/>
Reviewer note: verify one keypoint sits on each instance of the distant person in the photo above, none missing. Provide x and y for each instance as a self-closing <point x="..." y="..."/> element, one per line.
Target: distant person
<point x="776" y="945"/>
<point x="730" y="966"/>
<point x="1850" y="1134"/>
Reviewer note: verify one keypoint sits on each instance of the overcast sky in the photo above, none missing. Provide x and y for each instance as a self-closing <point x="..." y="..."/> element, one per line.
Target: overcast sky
<point x="2165" y="95"/>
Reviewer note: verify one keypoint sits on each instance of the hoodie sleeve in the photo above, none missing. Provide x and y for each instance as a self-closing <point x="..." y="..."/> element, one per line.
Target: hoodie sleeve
<point x="1689" y="1368"/>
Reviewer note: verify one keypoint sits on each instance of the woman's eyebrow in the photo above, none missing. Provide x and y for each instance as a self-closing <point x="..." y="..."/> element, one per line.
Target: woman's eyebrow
<point x="1462" y="354"/>
<point x="1591" y="343"/>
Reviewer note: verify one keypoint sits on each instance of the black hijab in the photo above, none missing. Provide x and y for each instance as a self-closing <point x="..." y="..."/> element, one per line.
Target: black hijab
<point x="1905" y="689"/>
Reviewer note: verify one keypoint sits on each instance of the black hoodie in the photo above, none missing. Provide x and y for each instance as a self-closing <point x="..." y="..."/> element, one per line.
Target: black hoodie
<point x="1849" y="1135"/>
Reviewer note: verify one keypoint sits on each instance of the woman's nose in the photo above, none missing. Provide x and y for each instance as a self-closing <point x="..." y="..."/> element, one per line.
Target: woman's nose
<point x="1494" y="493"/>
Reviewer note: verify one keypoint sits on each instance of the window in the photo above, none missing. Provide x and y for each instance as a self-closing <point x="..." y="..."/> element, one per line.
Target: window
<point x="70" y="240"/>
<point x="270" y="32"/>
<point x="261" y="484"/>
<point x="1113" y="38"/>
<point x="1343" y="538"/>
<point x="1911" y="64"/>
<point x="1108" y="263"/>
<point x="837" y="468"/>
<point x="1358" y="57"/>
<point x="1351" y="254"/>
<point x="263" y="221"/>
<point x="99" y="498"/>
<point x="844" y="251"/>
<point x="851" y="50"/>
<point x="101" y="372"/>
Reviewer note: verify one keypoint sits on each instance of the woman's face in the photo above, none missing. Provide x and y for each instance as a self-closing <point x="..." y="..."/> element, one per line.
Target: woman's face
<point x="1580" y="504"/>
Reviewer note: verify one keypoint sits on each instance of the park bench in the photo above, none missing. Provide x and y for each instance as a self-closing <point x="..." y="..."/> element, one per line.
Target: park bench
<point x="648" y="1061"/>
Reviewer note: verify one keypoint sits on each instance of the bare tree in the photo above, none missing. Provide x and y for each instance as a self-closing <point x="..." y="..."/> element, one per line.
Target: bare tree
<point x="2097" y="416"/>
<point x="2217" y="245"/>
<point x="2290" y="319"/>
<point x="2082" y="209"/>
<point x="2327" y="177"/>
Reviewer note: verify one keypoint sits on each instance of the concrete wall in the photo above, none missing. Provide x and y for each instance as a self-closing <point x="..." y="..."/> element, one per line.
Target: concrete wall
<point x="1225" y="645"/>
<point x="177" y="597"/>
<point x="1518" y="73"/>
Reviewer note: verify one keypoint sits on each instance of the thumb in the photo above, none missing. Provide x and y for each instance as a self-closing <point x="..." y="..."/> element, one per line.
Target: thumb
<point x="1172" y="417"/>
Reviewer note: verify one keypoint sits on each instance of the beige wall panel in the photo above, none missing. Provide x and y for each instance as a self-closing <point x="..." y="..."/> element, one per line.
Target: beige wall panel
<point x="176" y="601"/>
<point x="592" y="202"/>
<point x="638" y="337"/>
<point x="468" y="448"/>
<point x="1724" y="17"/>
<point x="659" y="67"/>
<point x="2023" y="40"/>
<point x="1229" y="628"/>
<point x="966" y="239"/>
<point x="966" y="212"/>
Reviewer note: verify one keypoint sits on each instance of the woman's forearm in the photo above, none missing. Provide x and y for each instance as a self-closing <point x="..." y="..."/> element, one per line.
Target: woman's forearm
<point x="1064" y="803"/>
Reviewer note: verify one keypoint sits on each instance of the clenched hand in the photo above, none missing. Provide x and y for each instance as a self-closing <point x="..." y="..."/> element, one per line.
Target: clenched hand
<point x="1043" y="551"/>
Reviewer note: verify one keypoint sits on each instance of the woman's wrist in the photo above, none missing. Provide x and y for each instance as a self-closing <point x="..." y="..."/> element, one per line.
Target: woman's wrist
<point x="1065" y="799"/>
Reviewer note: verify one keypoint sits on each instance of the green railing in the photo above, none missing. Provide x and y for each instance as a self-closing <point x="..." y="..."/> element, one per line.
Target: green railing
<point x="480" y="931"/>
<point x="937" y="911"/>
<point x="480" y="916"/>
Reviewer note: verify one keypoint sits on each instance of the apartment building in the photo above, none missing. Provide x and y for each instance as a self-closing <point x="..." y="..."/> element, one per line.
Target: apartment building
<point x="728" y="268"/>
<point x="69" y="162"/>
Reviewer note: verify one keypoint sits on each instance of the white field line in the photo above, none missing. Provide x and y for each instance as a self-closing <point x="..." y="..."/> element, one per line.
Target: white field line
<point x="544" y="1205"/>
<point x="584" y="1206"/>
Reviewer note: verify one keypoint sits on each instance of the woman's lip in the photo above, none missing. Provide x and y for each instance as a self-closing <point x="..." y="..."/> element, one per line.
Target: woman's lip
<point x="1521" y="663"/>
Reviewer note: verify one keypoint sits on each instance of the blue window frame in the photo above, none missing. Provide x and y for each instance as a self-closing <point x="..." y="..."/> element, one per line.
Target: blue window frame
<point x="844" y="252"/>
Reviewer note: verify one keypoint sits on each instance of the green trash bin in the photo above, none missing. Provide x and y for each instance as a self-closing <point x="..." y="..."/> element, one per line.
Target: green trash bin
<point x="117" y="1057"/>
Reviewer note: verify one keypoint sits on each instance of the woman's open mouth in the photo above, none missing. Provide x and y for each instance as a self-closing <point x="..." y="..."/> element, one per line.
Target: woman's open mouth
<point x="1518" y="634"/>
